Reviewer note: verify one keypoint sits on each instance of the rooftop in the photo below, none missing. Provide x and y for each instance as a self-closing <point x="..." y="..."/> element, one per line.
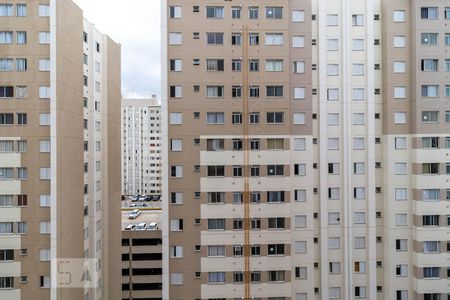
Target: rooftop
<point x="146" y="216"/>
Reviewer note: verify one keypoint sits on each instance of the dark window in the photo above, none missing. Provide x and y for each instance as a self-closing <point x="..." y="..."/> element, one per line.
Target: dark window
<point x="125" y="257"/>
<point x="6" y="119"/>
<point x="147" y="271"/>
<point x="22" y="119"/>
<point x="214" y="38"/>
<point x="147" y="286"/>
<point x="274" y="91"/>
<point x="6" y="91"/>
<point x="146" y="242"/>
<point x="147" y="256"/>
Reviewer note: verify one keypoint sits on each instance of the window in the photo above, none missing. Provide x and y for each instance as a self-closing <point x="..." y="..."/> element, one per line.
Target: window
<point x="214" y="12"/>
<point x="6" y="173"/>
<point x="332" y="20"/>
<point x="358" y="45"/>
<point x="399" y="41"/>
<point x="6" y="92"/>
<point x="447" y="65"/>
<point x="430" y="13"/>
<point x="333" y="168"/>
<point x="300" y="246"/>
<point x="334" y="293"/>
<point x="360" y="267"/>
<point x="214" y="38"/>
<point x="299" y="92"/>
<point x="214" y="65"/>
<point x="253" y="12"/>
<point x="216" y="171"/>
<point x="360" y="292"/>
<point x="298" y="16"/>
<point x="275" y="223"/>
<point x="22" y="146"/>
<point x="400" y="143"/>
<point x="402" y="295"/>
<point x="176" y="225"/>
<point x="333" y="119"/>
<point x="275" y="249"/>
<point x="299" y="119"/>
<point x="359" y="193"/>
<point x="175" y="38"/>
<point x="44" y="37"/>
<point x="299" y="144"/>
<point x="6" y="10"/>
<point x="431" y="247"/>
<point x="44" y="64"/>
<point x="176" y="91"/>
<point x="298" y="41"/>
<point x="176" y="145"/>
<point x="332" y="44"/>
<point x="176" y="118"/>
<point x="358" y="70"/>
<point x="401" y="219"/>
<point x="275" y="144"/>
<point x="332" y="70"/>
<point x="399" y="16"/>
<point x="236" y="65"/>
<point x="21" y="64"/>
<point x="431" y="272"/>
<point x="430" y="168"/>
<point x="334" y="243"/>
<point x="274" y="12"/>
<point x="447" y="39"/>
<point x="401" y="244"/>
<point x="275" y="170"/>
<point x="400" y="118"/>
<point x="399" y="67"/>
<point x="274" y="65"/>
<point x="332" y="94"/>
<point x="301" y="273"/>
<point x="236" y="118"/>
<point x="300" y="221"/>
<point x="401" y="270"/>
<point x="22" y="119"/>
<point x="21" y="92"/>
<point x="237" y="171"/>
<point x="400" y="168"/>
<point x="253" y="38"/>
<point x="430" y="116"/>
<point x="238" y="250"/>
<point x="254" y="91"/>
<point x="299" y="68"/>
<point x="254" y="118"/>
<point x="22" y="173"/>
<point x="237" y="144"/>
<point x="357" y="20"/>
<point x="333" y="143"/>
<point x="359" y="218"/>
<point x="430" y="142"/>
<point x="254" y="67"/>
<point x="176" y="171"/>
<point x="430" y="220"/>
<point x="6" y="282"/>
<point x="6" y="255"/>
<point x="44" y="255"/>
<point x="216" y="224"/>
<point x="215" y="118"/>
<point x="274" y="117"/>
<point x="176" y="278"/>
<point x="429" y="65"/>
<point x="276" y="276"/>
<point x="44" y="227"/>
<point x="6" y="64"/>
<point x="429" y="39"/>
<point x="236" y="12"/>
<point x="334" y="218"/>
<point x="335" y="267"/>
<point x="175" y="12"/>
<point x="358" y="143"/>
<point x="6" y="37"/>
<point x="175" y="65"/>
<point x="44" y="173"/>
<point x="215" y="144"/>
<point x="359" y="243"/>
<point x="430" y="195"/>
<point x="44" y="10"/>
<point x="214" y="91"/>
<point x="300" y="195"/>
<point x="274" y="39"/>
<point x="399" y="92"/>
<point x="447" y="13"/>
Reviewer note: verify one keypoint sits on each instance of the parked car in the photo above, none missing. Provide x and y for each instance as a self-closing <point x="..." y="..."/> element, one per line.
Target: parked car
<point x="152" y="226"/>
<point x="157" y="198"/>
<point x="134" y="198"/>
<point x="148" y="198"/>
<point x="130" y="227"/>
<point x="142" y="205"/>
<point x="132" y="205"/>
<point x="141" y="226"/>
<point x="134" y="214"/>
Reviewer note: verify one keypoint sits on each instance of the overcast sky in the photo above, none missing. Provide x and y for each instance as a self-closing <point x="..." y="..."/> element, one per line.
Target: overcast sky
<point x="136" y="26"/>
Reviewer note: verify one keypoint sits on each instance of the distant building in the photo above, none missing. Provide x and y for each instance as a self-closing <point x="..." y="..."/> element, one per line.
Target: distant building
<point x="141" y="145"/>
<point x="142" y="258"/>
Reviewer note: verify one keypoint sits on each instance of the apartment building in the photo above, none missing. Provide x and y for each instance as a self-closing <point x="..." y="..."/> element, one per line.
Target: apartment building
<point x="142" y="257"/>
<point x="308" y="148"/>
<point x="59" y="161"/>
<point x="141" y="146"/>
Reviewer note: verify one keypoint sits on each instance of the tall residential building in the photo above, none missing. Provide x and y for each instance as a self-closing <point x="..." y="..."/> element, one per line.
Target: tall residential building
<point x="308" y="147"/>
<point x="59" y="161"/>
<point x="141" y="146"/>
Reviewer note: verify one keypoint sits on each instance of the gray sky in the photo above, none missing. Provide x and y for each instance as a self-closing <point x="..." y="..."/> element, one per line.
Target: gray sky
<point x="136" y="26"/>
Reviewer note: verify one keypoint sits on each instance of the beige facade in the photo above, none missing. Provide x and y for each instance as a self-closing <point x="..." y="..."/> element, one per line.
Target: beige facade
<point x="314" y="141"/>
<point x="60" y="162"/>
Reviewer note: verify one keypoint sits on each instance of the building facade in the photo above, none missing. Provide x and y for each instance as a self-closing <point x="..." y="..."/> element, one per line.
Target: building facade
<point x="307" y="147"/>
<point x="141" y="146"/>
<point x="60" y="182"/>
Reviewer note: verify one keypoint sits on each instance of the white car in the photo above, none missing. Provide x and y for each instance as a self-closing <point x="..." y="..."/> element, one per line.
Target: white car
<point x="152" y="226"/>
<point x="134" y="214"/>
<point x="130" y="227"/>
<point x="141" y="226"/>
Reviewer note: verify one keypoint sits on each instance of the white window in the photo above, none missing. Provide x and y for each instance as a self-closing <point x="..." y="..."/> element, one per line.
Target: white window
<point x="360" y="267"/>
<point x="175" y="38"/>
<point x="44" y="92"/>
<point x="44" y="37"/>
<point x="299" y="118"/>
<point x="359" y="193"/>
<point x="97" y="67"/>
<point x="216" y="91"/>
<point x="97" y="87"/>
<point x="431" y="247"/>
<point x="44" y="173"/>
<point x="176" y="198"/>
<point x="400" y="168"/>
<point x="333" y="119"/>
<point x="359" y="168"/>
<point x="274" y="65"/>
<point x="332" y="94"/>
<point x="216" y="250"/>
<point x="401" y="219"/>
<point x="298" y="16"/>
<point x="45" y="200"/>
<point x="299" y="144"/>
<point x="359" y="218"/>
<point x="6" y="64"/>
<point x="300" y="195"/>
<point x="430" y="195"/>
<point x="175" y="12"/>
<point x="299" y="67"/>
<point x="298" y="41"/>
<point x="176" y="278"/>
<point x="301" y="296"/>
<point x="334" y="293"/>
<point x="333" y="143"/>
<point x="44" y="146"/>
<point x="44" y="64"/>
<point x="215" y="118"/>
<point x="21" y="91"/>
<point x="358" y="94"/>
<point x="300" y="221"/>
<point x="401" y="270"/>
<point x="399" y="67"/>
<point x="358" y="118"/>
<point x="6" y="37"/>
<point x="274" y="39"/>
<point x="400" y="143"/>
<point x="358" y="69"/>
<point x="360" y="292"/>
<point x="176" y="91"/>
<point x="300" y="246"/>
<point x="399" y="16"/>
<point x="299" y="93"/>
<point x="332" y="20"/>
<point x="400" y="118"/>
<point x="333" y="193"/>
<point x="332" y="69"/>
<point x="358" y="143"/>
<point x="399" y="92"/>
<point x="176" y="118"/>
<point x="44" y="10"/>
<point x="44" y="255"/>
<point x="176" y="251"/>
<point x="176" y="171"/>
<point x="6" y="10"/>
<point x="358" y="45"/>
<point x="357" y="20"/>
<point x="334" y="218"/>
<point x="360" y="243"/>
<point x="176" y="145"/>
<point x="44" y="119"/>
<point x="176" y="225"/>
<point x="332" y="44"/>
<point x="45" y="282"/>
<point x="334" y="243"/>
<point x="400" y="194"/>
<point x="399" y="41"/>
<point x="335" y="267"/>
<point x="44" y="227"/>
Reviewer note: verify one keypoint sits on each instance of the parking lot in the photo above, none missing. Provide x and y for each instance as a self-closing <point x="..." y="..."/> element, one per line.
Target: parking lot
<point x="145" y="216"/>
<point x="142" y="202"/>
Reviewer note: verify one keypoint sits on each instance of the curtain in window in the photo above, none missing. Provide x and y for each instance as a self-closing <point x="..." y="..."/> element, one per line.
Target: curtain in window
<point x="430" y="247"/>
<point x="6" y="227"/>
<point x="6" y="10"/>
<point x="21" y="64"/>
<point x="6" y="64"/>
<point x="21" y="10"/>
<point x="6" y="37"/>
<point x="216" y="277"/>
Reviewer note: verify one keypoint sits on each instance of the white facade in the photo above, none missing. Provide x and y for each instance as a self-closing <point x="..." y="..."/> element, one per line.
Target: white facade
<point x="141" y="146"/>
